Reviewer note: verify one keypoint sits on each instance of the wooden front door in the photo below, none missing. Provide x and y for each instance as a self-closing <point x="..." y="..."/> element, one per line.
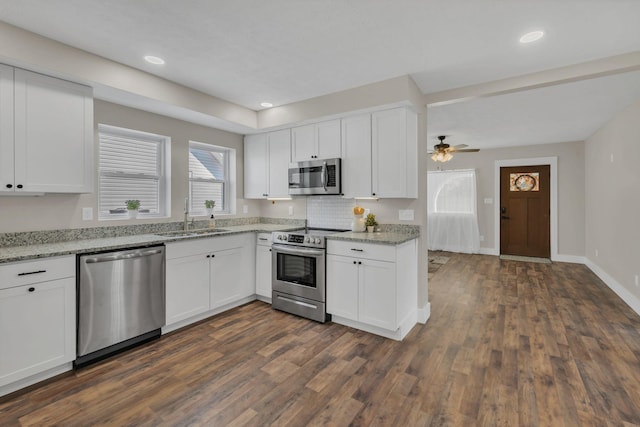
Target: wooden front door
<point x="524" y="211"/>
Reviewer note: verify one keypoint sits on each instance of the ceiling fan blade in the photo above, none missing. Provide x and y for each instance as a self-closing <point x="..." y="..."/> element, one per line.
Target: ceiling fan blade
<point x="457" y="147"/>
<point x="466" y="150"/>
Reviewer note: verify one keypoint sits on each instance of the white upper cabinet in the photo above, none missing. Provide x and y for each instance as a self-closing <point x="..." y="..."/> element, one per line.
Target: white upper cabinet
<point x="279" y="154"/>
<point x="316" y="141"/>
<point x="256" y="160"/>
<point x="266" y="164"/>
<point x="356" y="156"/>
<point x="52" y="141"/>
<point x="6" y="128"/>
<point x="394" y="144"/>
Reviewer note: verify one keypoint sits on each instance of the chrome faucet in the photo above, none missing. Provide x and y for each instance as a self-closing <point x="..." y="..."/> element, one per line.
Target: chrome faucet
<point x="186" y="213"/>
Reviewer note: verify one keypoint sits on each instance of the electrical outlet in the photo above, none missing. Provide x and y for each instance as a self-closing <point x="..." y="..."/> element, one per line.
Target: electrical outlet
<point x="637" y="281"/>
<point x="366" y="212"/>
<point x="87" y="214"/>
<point x="611" y="157"/>
<point x="482" y="238"/>
<point x="290" y="210"/>
<point x="488" y="201"/>
<point x="596" y="253"/>
<point x="245" y="209"/>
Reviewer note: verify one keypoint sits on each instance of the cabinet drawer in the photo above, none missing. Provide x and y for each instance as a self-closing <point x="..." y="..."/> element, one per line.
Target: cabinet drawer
<point x="203" y="246"/>
<point x="362" y="250"/>
<point x="35" y="271"/>
<point x="264" y="239"/>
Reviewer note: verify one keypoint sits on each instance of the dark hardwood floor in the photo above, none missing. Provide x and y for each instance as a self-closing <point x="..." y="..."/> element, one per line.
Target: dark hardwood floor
<point x="508" y="343"/>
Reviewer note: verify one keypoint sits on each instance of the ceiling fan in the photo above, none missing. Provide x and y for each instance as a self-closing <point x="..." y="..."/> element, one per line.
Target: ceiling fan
<point x="442" y="151"/>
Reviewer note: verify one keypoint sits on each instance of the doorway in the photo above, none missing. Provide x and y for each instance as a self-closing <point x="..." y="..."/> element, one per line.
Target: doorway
<point x="525" y="221"/>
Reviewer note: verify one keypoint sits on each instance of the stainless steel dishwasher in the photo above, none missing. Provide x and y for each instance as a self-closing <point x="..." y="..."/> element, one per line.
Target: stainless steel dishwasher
<point x="121" y="301"/>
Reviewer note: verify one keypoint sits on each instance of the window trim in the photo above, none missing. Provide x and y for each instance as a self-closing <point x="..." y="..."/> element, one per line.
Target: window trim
<point x="228" y="182"/>
<point x="164" y="170"/>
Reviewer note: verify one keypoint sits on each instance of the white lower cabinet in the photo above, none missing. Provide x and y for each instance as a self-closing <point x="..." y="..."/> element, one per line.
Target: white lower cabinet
<point x="187" y="291"/>
<point x="373" y="287"/>
<point x="206" y="276"/>
<point x="37" y="320"/>
<point x="263" y="267"/>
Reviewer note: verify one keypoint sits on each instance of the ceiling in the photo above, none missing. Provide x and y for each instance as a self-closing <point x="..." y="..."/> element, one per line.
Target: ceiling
<point x="283" y="51"/>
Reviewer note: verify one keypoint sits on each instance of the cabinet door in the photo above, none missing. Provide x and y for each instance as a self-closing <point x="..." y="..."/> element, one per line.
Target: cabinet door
<point x="37" y="328"/>
<point x="377" y="294"/>
<point x="263" y="271"/>
<point x="53" y="135"/>
<point x="226" y="280"/>
<point x="342" y="286"/>
<point x="255" y="166"/>
<point x="356" y="156"/>
<point x="328" y="139"/>
<point x="279" y="155"/>
<point x="389" y="153"/>
<point x="187" y="287"/>
<point x="6" y="129"/>
<point x="303" y="143"/>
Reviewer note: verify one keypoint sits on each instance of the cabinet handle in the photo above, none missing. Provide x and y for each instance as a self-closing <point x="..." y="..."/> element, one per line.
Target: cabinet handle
<point x="357" y="250"/>
<point x="31" y="289"/>
<point x="208" y="256"/>
<point x="19" y="185"/>
<point x="269" y="249"/>
<point x="373" y="194"/>
<point x="32" y="272"/>
<point x="359" y="262"/>
<point x="9" y="185"/>
<point x="354" y="262"/>
<point x="262" y="238"/>
<point x="213" y="255"/>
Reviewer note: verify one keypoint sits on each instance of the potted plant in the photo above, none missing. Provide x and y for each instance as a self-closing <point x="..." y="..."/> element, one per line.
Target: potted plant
<point x="210" y="205"/>
<point x="132" y="208"/>
<point x="370" y="222"/>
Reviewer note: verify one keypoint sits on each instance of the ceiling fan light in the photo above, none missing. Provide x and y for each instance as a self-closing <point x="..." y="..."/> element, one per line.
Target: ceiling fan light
<point x="447" y="157"/>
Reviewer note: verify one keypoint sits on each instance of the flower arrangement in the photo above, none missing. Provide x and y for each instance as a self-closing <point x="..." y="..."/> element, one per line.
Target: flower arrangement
<point x="209" y="204"/>
<point x="370" y="221"/>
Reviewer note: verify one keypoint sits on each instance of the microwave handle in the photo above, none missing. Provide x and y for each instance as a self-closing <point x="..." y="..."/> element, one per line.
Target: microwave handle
<point x="324" y="176"/>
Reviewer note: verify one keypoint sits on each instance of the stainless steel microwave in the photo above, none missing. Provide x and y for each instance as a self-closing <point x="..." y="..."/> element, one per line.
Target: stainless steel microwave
<point x="315" y="177"/>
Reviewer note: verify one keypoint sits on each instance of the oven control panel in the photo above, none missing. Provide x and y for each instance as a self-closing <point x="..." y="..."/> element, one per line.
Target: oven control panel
<point x="298" y="239"/>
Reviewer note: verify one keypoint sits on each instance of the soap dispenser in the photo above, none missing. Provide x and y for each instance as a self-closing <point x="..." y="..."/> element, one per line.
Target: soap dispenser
<point x="212" y="222"/>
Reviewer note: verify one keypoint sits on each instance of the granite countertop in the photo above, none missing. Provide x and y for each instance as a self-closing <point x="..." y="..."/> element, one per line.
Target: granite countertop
<point x="42" y="250"/>
<point x="20" y="253"/>
<point x="383" y="238"/>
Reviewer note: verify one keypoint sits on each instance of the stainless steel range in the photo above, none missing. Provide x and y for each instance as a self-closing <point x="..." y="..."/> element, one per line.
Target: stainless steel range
<point x="298" y="274"/>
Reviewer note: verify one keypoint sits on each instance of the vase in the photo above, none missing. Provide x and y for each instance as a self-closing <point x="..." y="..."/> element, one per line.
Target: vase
<point x="357" y="225"/>
<point x="133" y="213"/>
<point x="370" y="228"/>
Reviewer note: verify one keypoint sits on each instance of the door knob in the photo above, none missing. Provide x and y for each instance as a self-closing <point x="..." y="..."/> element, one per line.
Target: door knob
<point x="504" y="217"/>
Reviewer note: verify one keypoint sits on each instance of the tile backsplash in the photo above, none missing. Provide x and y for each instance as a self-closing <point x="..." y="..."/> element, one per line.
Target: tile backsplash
<point x="330" y="212"/>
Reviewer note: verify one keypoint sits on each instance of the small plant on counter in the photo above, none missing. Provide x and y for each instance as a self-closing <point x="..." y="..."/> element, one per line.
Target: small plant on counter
<point x="133" y="205"/>
<point x="209" y="204"/>
<point x="370" y="221"/>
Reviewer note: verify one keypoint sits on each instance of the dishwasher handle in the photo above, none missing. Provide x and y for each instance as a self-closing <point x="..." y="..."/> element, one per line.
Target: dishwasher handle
<point x="121" y="256"/>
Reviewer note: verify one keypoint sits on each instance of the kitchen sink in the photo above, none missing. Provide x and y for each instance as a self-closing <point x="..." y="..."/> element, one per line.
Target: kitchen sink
<point x="190" y="233"/>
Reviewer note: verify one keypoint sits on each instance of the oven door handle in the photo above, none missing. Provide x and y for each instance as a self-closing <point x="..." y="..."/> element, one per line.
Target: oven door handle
<point x="297" y="250"/>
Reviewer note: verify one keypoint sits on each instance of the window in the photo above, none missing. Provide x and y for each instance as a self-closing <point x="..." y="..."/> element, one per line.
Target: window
<point x="132" y="165"/>
<point x="210" y="172"/>
<point x="452" y="214"/>
<point x="452" y="191"/>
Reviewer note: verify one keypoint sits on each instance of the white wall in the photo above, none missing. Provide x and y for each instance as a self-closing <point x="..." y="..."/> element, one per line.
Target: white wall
<point x="53" y="211"/>
<point x="613" y="203"/>
<point x="571" y="189"/>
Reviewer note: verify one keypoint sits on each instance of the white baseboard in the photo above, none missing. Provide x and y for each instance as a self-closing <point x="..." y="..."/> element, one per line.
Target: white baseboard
<point x="424" y="313"/>
<point x="574" y="259"/>
<point x="182" y="323"/>
<point x="630" y="299"/>
<point x="488" y="251"/>
<point x="402" y="331"/>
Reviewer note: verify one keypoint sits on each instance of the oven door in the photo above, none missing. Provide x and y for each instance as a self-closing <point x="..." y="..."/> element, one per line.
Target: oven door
<point x="299" y="271"/>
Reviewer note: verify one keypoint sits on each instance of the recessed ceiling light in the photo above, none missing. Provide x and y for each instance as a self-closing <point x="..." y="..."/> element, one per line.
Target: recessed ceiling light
<point x="532" y="36"/>
<point x="266" y="104"/>
<point x="154" y="60"/>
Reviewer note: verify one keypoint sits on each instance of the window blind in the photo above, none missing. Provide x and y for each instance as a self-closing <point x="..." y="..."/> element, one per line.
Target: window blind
<point x="130" y="167"/>
<point x="208" y="177"/>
